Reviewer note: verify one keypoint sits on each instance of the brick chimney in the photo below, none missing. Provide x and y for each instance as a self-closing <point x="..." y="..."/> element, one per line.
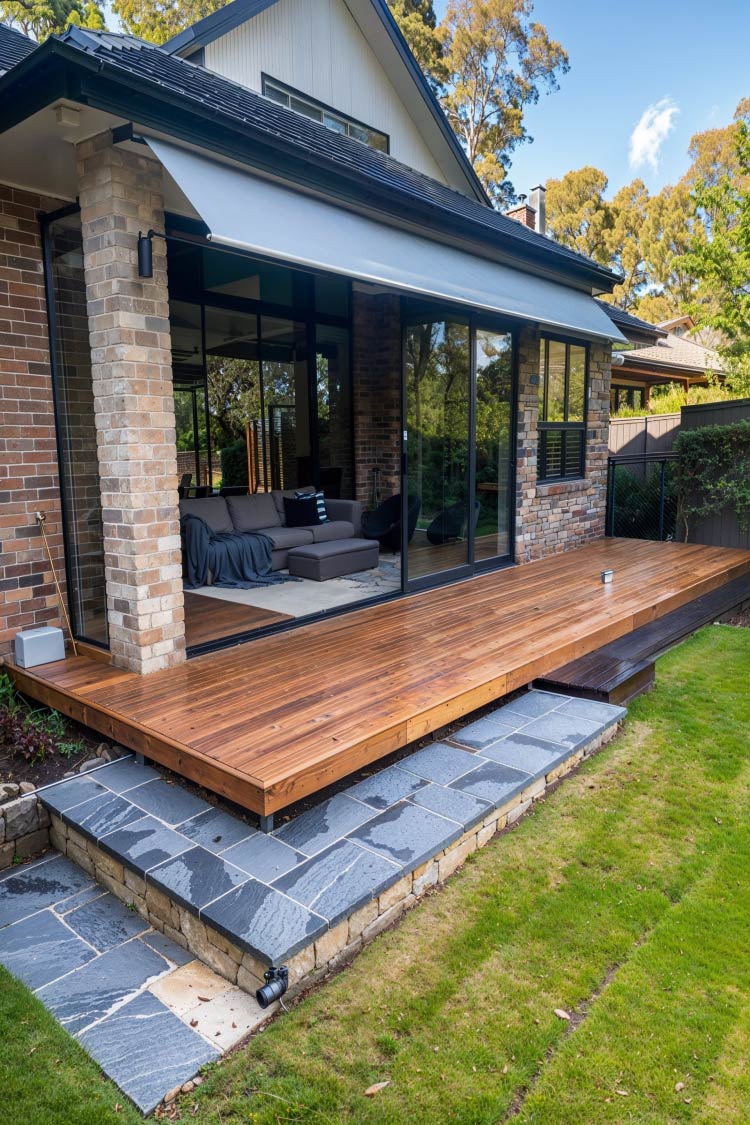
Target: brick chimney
<point x="523" y="213"/>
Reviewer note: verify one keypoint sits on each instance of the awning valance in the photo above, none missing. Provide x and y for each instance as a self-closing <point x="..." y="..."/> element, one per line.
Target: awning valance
<point x="250" y="213"/>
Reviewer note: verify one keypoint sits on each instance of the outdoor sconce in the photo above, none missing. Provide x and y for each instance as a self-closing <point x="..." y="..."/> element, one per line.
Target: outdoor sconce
<point x="146" y="252"/>
<point x="277" y="982"/>
<point x="607" y="576"/>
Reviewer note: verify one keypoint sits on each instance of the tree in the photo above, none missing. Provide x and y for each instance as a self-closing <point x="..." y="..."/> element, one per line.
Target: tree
<point x="159" y="21"/>
<point x="40" y="18"/>
<point x="578" y="216"/>
<point x="721" y="260"/>
<point x="418" y="22"/>
<point x="629" y="208"/>
<point x="670" y="227"/>
<point x="497" y="62"/>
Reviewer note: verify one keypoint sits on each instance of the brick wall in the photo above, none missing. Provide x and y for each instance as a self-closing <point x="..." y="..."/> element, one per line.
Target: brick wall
<point x="376" y="348"/>
<point x="121" y="193"/>
<point x="556" y="517"/>
<point x="28" y="459"/>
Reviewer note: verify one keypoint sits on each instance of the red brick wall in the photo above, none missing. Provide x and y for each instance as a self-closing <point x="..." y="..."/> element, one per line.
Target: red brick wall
<point x="28" y="458"/>
<point x="376" y="349"/>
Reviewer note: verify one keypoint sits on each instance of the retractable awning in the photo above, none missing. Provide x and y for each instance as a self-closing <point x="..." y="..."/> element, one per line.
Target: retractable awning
<point x="244" y="211"/>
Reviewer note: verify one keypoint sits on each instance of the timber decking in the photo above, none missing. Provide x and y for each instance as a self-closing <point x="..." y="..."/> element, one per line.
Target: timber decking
<point x="212" y="619"/>
<point x="273" y="720"/>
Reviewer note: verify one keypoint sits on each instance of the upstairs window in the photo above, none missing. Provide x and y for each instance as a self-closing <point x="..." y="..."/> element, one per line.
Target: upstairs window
<point x="331" y="118"/>
<point x="562" y="410"/>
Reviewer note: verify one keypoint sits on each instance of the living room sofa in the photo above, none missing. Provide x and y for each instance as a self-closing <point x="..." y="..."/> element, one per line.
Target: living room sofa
<point x="263" y="512"/>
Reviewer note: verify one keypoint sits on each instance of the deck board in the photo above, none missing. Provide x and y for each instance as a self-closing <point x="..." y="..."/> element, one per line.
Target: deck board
<point x="277" y="718"/>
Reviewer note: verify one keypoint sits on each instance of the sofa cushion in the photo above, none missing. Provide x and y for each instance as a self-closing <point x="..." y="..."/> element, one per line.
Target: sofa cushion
<point x="290" y="493"/>
<point x="211" y="509"/>
<point x="301" y="511"/>
<point x="251" y="513"/>
<point x="332" y="529"/>
<point x="285" y="537"/>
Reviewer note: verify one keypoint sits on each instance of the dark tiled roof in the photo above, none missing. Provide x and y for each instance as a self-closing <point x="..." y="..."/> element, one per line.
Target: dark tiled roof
<point x="244" y="110"/>
<point x="13" y="47"/>
<point x="626" y="320"/>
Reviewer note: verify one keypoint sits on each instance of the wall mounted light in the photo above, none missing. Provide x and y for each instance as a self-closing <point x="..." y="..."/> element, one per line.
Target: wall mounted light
<point x="277" y="982"/>
<point x="146" y="252"/>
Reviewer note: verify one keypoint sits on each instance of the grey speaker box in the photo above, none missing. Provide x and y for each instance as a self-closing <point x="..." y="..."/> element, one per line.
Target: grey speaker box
<point x="39" y="646"/>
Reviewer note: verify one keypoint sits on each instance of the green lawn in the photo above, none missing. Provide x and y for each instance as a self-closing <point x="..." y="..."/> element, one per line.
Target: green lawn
<point x="623" y="900"/>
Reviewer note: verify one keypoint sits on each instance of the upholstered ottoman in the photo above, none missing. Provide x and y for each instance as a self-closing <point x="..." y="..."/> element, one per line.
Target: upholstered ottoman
<point x="321" y="561"/>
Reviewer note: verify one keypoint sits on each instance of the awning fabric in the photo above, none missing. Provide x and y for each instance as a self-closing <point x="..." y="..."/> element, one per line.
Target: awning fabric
<point x="244" y="211"/>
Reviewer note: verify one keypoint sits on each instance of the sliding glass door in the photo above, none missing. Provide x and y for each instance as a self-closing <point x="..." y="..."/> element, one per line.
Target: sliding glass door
<point x="457" y="448"/>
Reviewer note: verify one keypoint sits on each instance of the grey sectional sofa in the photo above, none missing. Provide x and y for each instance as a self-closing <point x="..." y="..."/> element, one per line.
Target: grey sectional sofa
<point x="264" y="512"/>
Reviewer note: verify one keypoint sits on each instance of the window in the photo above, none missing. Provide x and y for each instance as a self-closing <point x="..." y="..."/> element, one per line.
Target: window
<point x="331" y="118"/>
<point x="621" y="396"/>
<point x="562" y="410"/>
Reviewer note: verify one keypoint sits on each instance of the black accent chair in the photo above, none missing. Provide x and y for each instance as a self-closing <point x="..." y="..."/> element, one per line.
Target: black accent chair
<point x="448" y="525"/>
<point x="384" y="523"/>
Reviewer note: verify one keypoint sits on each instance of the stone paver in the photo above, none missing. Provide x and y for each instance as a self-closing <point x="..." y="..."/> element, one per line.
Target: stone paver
<point x="268" y="924"/>
<point x="144" y="844"/>
<point x="28" y="889"/>
<point x="407" y="834"/>
<point x="440" y="762"/>
<point x="523" y="752"/>
<point x="592" y="709"/>
<point x="105" y="922"/>
<point x="147" y="1050"/>
<point x="465" y="809"/>
<point x="263" y="856"/>
<point x="338" y="881"/>
<point x="170" y="803"/>
<point x="67" y="794"/>
<point x="217" y="830"/>
<point x="196" y="877"/>
<point x="484" y="732"/>
<point x="125" y="774"/>
<point x="321" y="826"/>
<point x="563" y="728"/>
<point x="102" y="814"/>
<point x="383" y="789"/>
<point x="532" y="705"/>
<point x="493" y="782"/>
<point x="41" y="948"/>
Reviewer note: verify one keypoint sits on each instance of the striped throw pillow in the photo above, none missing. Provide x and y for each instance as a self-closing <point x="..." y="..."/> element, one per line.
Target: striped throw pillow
<point x="320" y="501"/>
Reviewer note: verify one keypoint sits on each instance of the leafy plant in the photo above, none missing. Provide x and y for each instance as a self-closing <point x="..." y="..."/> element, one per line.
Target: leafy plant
<point x="23" y="738"/>
<point x="32" y="734"/>
<point x="713" y="473"/>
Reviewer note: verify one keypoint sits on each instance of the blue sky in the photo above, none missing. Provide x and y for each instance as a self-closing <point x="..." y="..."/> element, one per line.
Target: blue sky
<point x="625" y="58"/>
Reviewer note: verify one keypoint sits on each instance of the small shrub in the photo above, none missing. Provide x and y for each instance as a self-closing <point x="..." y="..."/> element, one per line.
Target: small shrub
<point x="23" y="738"/>
<point x="32" y="734"/>
<point x="234" y="463"/>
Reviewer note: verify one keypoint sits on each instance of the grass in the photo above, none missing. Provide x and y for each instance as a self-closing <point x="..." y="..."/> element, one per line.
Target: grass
<point x="623" y="900"/>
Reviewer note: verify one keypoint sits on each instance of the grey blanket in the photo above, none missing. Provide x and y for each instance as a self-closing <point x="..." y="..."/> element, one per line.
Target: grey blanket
<point x="236" y="560"/>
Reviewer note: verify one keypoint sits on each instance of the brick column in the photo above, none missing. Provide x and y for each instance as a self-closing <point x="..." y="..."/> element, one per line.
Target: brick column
<point x="120" y="194"/>
<point x="557" y="517"/>
<point x="376" y="349"/>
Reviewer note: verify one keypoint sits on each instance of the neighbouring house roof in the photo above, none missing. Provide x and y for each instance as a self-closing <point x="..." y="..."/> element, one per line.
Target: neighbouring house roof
<point x="633" y="327"/>
<point x="14" y="46"/>
<point x="238" y="12"/>
<point x="685" y="322"/>
<point x="147" y="84"/>
<point x="676" y="354"/>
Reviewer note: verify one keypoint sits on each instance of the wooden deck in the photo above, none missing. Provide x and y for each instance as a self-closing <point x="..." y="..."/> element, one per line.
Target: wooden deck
<point x="273" y="720"/>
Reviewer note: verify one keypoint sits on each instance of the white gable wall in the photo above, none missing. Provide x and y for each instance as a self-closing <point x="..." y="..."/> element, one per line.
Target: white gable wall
<point x="316" y="47"/>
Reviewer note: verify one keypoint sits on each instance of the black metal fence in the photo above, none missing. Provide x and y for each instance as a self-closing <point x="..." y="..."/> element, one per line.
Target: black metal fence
<point x="642" y="496"/>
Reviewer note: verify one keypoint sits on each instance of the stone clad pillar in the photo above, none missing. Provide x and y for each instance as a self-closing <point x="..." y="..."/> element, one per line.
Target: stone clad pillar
<point x="121" y="193"/>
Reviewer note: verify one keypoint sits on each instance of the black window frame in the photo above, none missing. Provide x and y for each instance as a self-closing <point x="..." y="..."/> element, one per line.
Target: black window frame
<point x="314" y="103"/>
<point x="563" y="428"/>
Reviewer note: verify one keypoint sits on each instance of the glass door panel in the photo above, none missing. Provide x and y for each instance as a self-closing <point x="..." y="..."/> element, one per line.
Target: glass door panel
<point x="286" y="401"/>
<point x="494" y="386"/>
<point x="438" y="522"/>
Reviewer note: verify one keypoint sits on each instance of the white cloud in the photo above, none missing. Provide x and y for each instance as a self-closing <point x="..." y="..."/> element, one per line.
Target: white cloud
<point x="655" y="125"/>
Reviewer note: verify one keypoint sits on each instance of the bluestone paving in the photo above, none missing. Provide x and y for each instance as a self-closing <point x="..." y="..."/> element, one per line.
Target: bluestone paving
<point x="338" y="881"/>
<point x="461" y="807"/>
<point x="74" y="791"/>
<point x="493" y="782"/>
<point x="147" y="1050"/>
<point x="523" y="752"/>
<point x="28" y="889"/>
<point x="482" y="733"/>
<point x="263" y="856"/>
<point x="103" y="813"/>
<point x="383" y="789"/>
<point x="321" y="826"/>
<point x="144" y="844"/>
<point x="196" y="877"/>
<point x="125" y="774"/>
<point x="532" y="704"/>
<point x="41" y="948"/>
<point x="68" y="904"/>
<point x="170" y="803"/>
<point x="594" y="710"/>
<point x="82" y="998"/>
<point x="269" y="924"/>
<point x="564" y="729"/>
<point x="217" y="830"/>
<point x="440" y="762"/>
<point x="407" y="834"/>
<point x="105" y="922"/>
<point x="169" y="949"/>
